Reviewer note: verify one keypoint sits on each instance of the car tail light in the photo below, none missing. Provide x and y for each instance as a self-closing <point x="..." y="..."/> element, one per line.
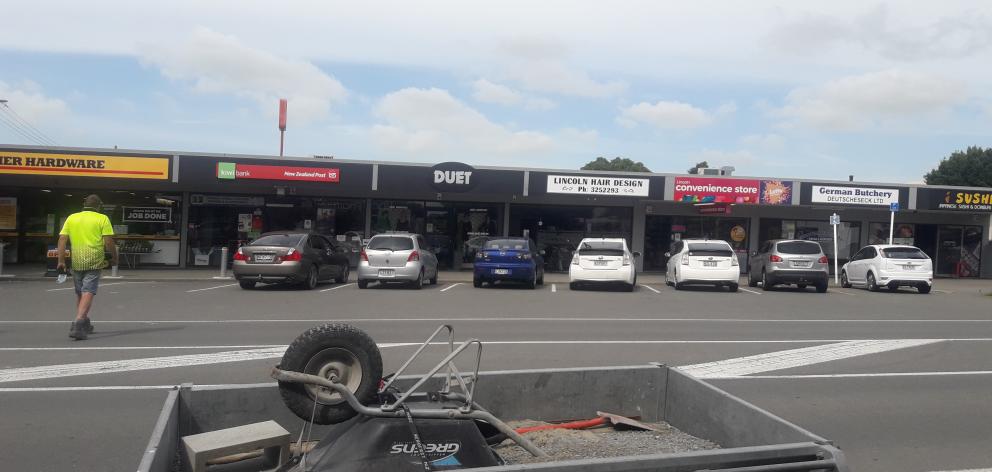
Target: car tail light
<point x="734" y="262"/>
<point x="626" y="260"/>
<point x="774" y="258"/>
<point x="365" y="256"/>
<point x="575" y="259"/>
<point x="292" y="256"/>
<point x="685" y="260"/>
<point x="240" y="255"/>
<point x="823" y="260"/>
<point x="414" y="257"/>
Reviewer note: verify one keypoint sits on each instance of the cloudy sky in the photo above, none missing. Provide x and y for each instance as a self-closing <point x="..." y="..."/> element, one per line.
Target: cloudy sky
<point x="793" y="89"/>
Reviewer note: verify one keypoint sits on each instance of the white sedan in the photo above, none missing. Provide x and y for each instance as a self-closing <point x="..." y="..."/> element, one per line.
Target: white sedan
<point x="603" y="260"/>
<point x="705" y="262"/>
<point x="889" y="266"/>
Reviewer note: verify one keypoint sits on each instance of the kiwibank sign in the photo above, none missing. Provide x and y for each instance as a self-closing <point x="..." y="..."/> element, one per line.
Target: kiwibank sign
<point x="854" y="195"/>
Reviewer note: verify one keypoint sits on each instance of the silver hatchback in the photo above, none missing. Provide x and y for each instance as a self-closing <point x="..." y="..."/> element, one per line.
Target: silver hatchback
<point x="397" y="257"/>
<point x="789" y="261"/>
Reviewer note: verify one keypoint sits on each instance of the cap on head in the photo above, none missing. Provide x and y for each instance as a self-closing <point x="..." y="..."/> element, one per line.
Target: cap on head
<point x="93" y="202"/>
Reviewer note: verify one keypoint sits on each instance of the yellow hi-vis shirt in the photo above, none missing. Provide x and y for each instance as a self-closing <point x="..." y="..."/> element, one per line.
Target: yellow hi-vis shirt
<point x="86" y="230"/>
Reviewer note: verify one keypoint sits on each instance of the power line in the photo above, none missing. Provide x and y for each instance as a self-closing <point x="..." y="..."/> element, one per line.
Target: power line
<point x="26" y="124"/>
<point x="18" y="130"/>
<point x="15" y="124"/>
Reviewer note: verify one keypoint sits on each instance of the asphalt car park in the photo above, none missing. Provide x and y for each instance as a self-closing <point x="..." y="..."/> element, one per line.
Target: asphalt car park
<point x="914" y="399"/>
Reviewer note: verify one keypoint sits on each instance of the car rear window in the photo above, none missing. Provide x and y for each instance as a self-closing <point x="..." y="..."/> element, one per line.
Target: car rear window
<point x="601" y="248"/>
<point x="391" y="243"/>
<point x="280" y="240"/>
<point x="506" y="244"/>
<point x="904" y="253"/>
<point x="710" y="249"/>
<point x="798" y="247"/>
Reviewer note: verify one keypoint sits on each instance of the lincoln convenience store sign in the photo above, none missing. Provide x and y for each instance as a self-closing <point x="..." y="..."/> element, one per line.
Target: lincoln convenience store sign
<point x="83" y="165"/>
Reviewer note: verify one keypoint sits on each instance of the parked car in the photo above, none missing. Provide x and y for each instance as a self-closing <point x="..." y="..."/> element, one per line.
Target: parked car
<point x="397" y="257"/>
<point x="789" y="261"/>
<point x="703" y="262"/>
<point x="890" y="266"/>
<point x="509" y="259"/>
<point x="603" y="260"/>
<point x="290" y="257"/>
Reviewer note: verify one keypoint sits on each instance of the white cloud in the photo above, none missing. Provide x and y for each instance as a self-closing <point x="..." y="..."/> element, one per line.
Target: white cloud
<point x="422" y="121"/>
<point x="717" y="158"/>
<point x="542" y="65"/>
<point x="763" y="142"/>
<point x="221" y="64"/>
<point x="877" y="98"/>
<point x="671" y="115"/>
<point x="489" y="92"/>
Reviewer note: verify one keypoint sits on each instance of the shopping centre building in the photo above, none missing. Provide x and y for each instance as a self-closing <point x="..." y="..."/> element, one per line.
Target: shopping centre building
<point x="179" y="209"/>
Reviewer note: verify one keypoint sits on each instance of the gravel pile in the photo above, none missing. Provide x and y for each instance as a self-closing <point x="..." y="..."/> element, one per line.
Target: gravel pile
<point x="564" y="444"/>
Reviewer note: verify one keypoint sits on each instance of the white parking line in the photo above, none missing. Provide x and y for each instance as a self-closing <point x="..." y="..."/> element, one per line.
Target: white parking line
<point x="445" y="289"/>
<point x="948" y="291"/>
<point x="650" y="288"/>
<point x="210" y="288"/>
<point x="102" y="285"/>
<point x="792" y="358"/>
<point x="554" y="288"/>
<point x="748" y="290"/>
<point x="842" y="292"/>
<point x="855" y="376"/>
<point x="335" y="288"/>
<point x="987" y="469"/>
<point x="488" y="319"/>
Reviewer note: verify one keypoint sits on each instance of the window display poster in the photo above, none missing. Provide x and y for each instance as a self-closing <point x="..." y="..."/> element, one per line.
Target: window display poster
<point x="878" y="233"/>
<point x="8" y="213"/>
<point x="244" y="222"/>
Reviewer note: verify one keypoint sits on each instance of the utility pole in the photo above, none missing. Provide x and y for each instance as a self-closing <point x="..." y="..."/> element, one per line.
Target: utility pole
<point x="282" y="124"/>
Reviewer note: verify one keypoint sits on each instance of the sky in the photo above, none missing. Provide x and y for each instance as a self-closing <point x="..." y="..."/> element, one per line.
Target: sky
<point x="881" y="91"/>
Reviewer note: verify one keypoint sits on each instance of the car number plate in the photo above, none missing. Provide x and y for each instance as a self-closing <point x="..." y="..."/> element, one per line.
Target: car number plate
<point x="265" y="257"/>
<point x="386" y="272"/>
<point x="501" y="271"/>
<point x="599" y="263"/>
<point x="802" y="264"/>
<point x="709" y="263"/>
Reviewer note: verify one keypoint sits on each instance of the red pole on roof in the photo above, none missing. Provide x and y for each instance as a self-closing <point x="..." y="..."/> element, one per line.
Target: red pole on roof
<point x="282" y="124"/>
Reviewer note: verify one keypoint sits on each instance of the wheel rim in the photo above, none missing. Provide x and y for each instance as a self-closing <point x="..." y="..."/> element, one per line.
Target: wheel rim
<point x="764" y="280"/>
<point x="843" y="278"/>
<point x="871" y="282"/>
<point x="312" y="278"/>
<point x="338" y="362"/>
<point x="347" y="273"/>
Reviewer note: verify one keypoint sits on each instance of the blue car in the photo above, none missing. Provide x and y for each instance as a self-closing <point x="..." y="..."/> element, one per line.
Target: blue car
<point x="509" y="259"/>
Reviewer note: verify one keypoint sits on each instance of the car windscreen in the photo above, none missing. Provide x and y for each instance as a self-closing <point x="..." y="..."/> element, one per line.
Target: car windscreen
<point x="710" y="249"/>
<point x="601" y="248"/>
<point x="506" y="245"/>
<point x="798" y="247"/>
<point x="904" y="253"/>
<point x="279" y="240"/>
<point x="391" y="243"/>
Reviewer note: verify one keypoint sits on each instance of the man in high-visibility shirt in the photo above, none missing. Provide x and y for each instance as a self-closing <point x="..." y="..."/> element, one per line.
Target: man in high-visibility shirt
<point x="90" y="235"/>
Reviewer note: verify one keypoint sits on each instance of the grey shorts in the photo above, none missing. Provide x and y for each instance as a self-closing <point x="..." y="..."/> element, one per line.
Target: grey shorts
<point x="86" y="280"/>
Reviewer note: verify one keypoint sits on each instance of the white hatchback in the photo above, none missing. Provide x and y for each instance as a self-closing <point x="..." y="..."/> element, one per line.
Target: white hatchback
<point x="889" y="266"/>
<point x="603" y="260"/>
<point x="704" y="262"/>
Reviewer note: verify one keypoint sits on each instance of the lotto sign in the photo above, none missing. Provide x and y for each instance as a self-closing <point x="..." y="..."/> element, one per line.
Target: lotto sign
<point x="595" y="185"/>
<point x="83" y="165"/>
<point x="233" y="171"/>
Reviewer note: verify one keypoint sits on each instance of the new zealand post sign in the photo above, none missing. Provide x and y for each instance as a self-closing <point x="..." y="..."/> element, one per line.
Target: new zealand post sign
<point x="232" y="171"/>
<point x="83" y="165"/>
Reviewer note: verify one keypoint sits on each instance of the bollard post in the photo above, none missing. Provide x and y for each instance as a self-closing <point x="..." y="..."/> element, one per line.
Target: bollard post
<point x="113" y="272"/>
<point x="2" y="275"/>
<point x="223" y="263"/>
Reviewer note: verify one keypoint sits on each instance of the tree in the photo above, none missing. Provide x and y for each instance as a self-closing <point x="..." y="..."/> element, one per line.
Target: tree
<point x="618" y="164"/>
<point x="699" y="165"/>
<point x="972" y="168"/>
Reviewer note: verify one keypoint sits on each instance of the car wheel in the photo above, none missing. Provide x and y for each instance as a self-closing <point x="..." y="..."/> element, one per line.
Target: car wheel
<point x="751" y="282"/>
<point x="765" y="284"/>
<point x="247" y="284"/>
<point x="733" y="287"/>
<point x="363" y="283"/>
<point x="433" y="280"/>
<point x="843" y="280"/>
<point x="573" y="286"/>
<point x="476" y="283"/>
<point x="331" y="349"/>
<point x="345" y="272"/>
<point x="801" y="286"/>
<point x="419" y="283"/>
<point x="310" y="282"/>
<point x="924" y="288"/>
<point x="532" y="283"/>
<point x="821" y="288"/>
<point x="628" y="288"/>
<point x="872" y="285"/>
<point x="893" y="288"/>
<point x="540" y="280"/>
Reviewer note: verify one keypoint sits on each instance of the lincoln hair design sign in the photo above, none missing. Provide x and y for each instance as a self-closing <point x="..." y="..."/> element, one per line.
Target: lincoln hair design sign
<point x="854" y="195"/>
<point x="232" y="171"/>
<point x="598" y="185"/>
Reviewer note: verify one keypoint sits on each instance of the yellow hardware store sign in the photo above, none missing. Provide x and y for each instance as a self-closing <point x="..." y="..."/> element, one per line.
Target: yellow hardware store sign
<point x="38" y="163"/>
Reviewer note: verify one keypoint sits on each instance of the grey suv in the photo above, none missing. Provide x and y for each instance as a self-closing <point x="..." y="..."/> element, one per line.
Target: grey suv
<point x="397" y="257"/>
<point x="789" y="261"/>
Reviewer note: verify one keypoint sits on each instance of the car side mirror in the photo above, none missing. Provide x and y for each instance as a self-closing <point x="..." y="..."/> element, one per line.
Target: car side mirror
<point x="541" y="252"/>
<point x="636" y="253"/>
<point x="668" y="254"/>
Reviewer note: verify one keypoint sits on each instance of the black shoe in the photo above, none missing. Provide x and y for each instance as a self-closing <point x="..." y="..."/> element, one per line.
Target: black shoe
<point x="78" y="331"/>
<point x="89" y="326"/>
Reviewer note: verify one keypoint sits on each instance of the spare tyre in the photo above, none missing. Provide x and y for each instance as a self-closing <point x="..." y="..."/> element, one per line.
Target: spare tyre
<point x="331" y="349"/>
